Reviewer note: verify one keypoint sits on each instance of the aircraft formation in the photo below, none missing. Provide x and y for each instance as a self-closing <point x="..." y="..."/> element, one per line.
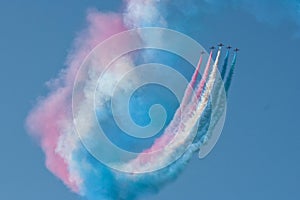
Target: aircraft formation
<point x="222" y="45"/>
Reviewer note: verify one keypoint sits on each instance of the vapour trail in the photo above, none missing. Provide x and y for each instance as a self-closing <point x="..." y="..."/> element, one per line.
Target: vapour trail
<point x="187" y="94"/>
<point x="224" y="68"/>
<point x="191" y="86"/>
<point x="231" y="72"/>
<point x="183" y="132"/>
<point x="219" y="95"/>
<point x="205" y="75"/>
<point x="51" y="121"/>
<point x="210" y="83"/>
<point x="205" y="98"/>
<point x="219" y="91"/>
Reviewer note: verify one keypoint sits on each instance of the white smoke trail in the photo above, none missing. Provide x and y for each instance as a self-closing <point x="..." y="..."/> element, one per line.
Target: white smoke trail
<point x="184" y="133"/>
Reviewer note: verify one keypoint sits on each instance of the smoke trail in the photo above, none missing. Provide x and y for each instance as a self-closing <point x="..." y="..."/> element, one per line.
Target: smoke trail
<point x="231" y="72"/>
<point x="51" y="121"/>
<point x="206" y="113"/>
<point x="218" y="92"/>
<point x="210" y="82"/>
<point x="221" y="94"/>
<point x="205" y="75"/>
<point x="152" y="182"/>
<point x="187" y="96"/>
<point x="189" y="120"/>
<point x="189" y="90"/>
<point x="224" y="67"/>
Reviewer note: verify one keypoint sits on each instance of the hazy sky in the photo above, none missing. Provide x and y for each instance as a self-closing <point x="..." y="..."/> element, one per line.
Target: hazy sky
<point x="257" y="156"/>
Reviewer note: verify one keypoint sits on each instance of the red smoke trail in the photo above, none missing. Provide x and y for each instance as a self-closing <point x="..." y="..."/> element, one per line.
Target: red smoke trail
<point x="174" y="125"/>
<point x="202" y="82"/>
<point x="188" y="119"/>
<point x="188" y="92"/>
<point x="190" y="87"/>
<point x="204" y="78"/>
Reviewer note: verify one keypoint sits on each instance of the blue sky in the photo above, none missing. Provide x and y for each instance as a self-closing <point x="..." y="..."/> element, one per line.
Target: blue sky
<point x="257" y="156"/>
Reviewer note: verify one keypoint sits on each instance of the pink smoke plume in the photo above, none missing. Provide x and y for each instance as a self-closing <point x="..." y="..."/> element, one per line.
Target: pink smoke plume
<point x="46" y="119"/>
<point x="204" y="78"/>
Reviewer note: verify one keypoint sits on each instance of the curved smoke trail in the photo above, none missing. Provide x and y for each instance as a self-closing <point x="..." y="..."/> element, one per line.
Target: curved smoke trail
<point x="231" y="72"/>
<point x="51" y="121"/>
<point x="225" y="64"/>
